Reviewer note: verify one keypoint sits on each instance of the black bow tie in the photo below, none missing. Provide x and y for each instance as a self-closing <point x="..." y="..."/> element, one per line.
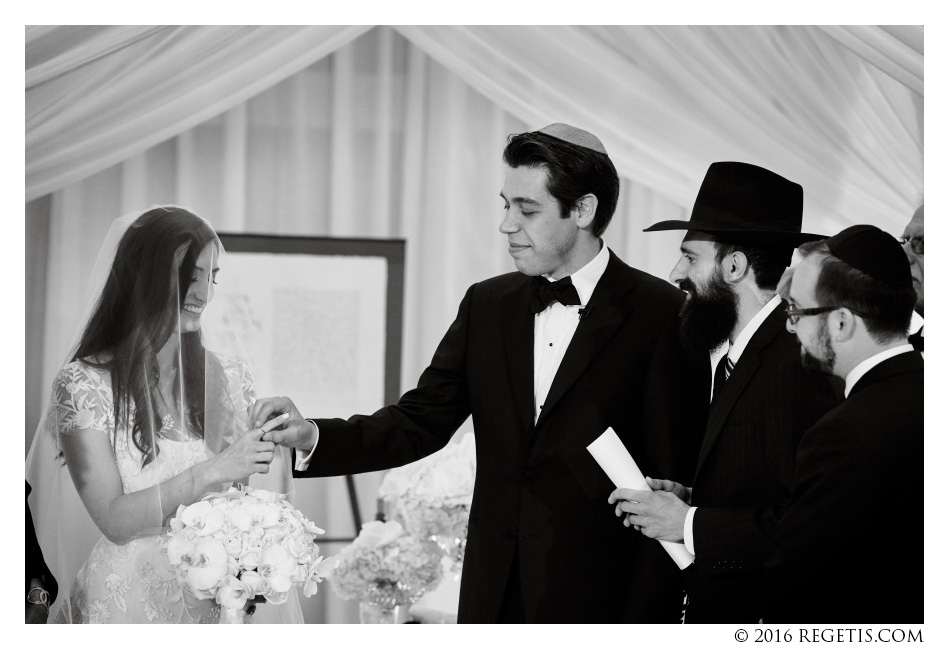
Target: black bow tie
<point x="916" y="340"/>
<point x="545" y="292"/>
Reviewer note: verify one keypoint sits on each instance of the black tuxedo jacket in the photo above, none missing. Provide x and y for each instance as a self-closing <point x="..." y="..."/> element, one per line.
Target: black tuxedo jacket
<point x="851" y="542"/>
<point x="539" y="497"/>
<point x="745" y="471"/>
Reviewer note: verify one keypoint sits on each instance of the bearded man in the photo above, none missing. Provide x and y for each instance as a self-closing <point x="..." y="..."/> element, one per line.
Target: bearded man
<point x="744" y="226"/>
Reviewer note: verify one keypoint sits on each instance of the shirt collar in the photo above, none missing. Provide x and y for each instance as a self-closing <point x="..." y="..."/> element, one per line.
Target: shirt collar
<point x="586" y="278"/>
<point x="741" y="340"/>
<point x="868" y="364"/>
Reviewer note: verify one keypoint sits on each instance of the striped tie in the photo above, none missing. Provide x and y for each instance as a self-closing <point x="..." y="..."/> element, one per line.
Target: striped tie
<point x="722" y="371"/>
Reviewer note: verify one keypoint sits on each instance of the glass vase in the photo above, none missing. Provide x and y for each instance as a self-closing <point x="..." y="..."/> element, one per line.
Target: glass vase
<point x="385" y="604"/>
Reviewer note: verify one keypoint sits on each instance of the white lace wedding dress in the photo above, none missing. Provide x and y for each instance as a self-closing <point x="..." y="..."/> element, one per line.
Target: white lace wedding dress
<point x="134" y="582"/>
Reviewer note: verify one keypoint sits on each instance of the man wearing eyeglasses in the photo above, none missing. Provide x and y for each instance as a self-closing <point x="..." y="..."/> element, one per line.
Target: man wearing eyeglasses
<point x="851" y="301"/>
<point x="744" y="226"/>
<point x="912" y="241"/>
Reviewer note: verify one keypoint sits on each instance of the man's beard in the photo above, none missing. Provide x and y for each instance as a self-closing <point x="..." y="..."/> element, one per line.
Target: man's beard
<point x="824" y="362"/>
<point x="707" y="316"/>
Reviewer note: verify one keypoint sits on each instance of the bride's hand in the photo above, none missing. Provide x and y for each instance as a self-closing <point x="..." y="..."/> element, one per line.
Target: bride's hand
<point x="292" y="432"/>
<point x="244" y="457"/>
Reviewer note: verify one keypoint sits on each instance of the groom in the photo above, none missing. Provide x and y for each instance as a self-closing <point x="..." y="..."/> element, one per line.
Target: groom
<point x="545" y="359"/>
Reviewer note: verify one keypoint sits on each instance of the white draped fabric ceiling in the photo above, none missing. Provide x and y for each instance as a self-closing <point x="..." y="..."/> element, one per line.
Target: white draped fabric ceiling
<point x="397" y="132"/>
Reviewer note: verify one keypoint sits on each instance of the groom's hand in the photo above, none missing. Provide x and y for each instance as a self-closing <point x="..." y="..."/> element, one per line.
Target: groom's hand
<point x="295" y="432"/>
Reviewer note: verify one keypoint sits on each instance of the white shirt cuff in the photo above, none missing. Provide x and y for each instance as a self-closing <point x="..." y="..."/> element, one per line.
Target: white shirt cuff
<point x="687" y="531"/>
<point x="303" y="462"/>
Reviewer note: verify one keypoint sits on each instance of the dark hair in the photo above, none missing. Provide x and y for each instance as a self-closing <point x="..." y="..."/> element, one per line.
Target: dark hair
<point x="767" y="262"/>
<point x="572" y="172"/>
<point x="136" y="314"/>
<point x="886" y="309"/>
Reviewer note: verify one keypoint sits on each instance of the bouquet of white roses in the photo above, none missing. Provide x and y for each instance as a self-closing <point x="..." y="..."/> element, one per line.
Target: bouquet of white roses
<point x="234" y="546"/>
<point x="384" y="557"/>
<point x="432" y="497"/>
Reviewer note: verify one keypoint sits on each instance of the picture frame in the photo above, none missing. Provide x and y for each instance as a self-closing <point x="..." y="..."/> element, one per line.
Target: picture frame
<point x="321" y="336"/>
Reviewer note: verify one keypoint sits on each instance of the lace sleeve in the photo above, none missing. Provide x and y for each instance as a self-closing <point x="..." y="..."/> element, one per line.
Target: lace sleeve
<point x="81" y="401"/>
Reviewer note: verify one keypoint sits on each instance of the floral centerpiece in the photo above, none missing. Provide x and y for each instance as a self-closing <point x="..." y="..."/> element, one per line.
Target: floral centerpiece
<point x="432" y="497"/>
<point x="244" y="544"/>
<point x="387" y="569"/>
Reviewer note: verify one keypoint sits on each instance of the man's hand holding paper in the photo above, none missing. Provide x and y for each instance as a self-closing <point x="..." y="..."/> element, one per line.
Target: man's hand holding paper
<point x="682" y="492"/>
<point x="657" y="514"/>
<point x="615" y="460"/>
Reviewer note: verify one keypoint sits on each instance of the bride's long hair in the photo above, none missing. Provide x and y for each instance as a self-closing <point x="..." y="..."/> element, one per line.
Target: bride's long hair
<point x="137" y="313"/>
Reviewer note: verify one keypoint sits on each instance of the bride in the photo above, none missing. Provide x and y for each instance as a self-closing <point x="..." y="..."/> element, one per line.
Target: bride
<point x="145" y="417"/>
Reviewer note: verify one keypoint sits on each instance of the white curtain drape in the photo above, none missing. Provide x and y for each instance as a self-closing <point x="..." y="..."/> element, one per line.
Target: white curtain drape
<point x="397" y="132"/>
<point x="98" y="95"/>
<point x="671" y="100"/>
<point x="837" y="108"/>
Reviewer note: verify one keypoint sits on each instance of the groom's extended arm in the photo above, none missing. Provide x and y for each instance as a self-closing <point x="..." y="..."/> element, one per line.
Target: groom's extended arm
<point x="421" y="423"/>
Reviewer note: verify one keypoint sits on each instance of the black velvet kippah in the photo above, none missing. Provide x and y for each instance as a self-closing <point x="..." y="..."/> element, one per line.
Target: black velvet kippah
<point x="871" y="250"/>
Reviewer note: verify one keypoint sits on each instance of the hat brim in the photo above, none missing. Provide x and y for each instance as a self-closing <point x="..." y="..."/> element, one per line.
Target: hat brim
<point x="748" y="236"/>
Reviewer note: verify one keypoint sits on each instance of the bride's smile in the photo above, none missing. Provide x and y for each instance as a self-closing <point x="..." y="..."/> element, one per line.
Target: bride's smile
<point x="201" y="289"/>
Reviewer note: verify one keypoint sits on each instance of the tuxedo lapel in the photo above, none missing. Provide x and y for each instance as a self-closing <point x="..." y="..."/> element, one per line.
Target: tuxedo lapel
<point x="517" y="325"/>
<point x="607" y="312"/>
<point x="745" y="370"/>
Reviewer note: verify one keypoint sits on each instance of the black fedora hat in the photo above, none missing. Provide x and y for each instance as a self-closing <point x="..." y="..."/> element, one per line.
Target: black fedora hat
<point x="745" y="204"/>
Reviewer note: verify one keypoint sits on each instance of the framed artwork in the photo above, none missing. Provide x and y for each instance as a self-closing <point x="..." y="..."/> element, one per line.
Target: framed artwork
<point x="322" y="321"/>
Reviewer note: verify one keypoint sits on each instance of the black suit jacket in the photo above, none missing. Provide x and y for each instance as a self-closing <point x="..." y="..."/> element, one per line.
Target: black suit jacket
<point x="539" y="496"/>
<point x="745" y="471"/>
<point x="851" y="543"/>
<point x="35" y="564"/>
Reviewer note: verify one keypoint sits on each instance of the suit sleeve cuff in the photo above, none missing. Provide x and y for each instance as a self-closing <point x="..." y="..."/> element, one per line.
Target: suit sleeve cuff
<point x="687" y="531"/>
<point x="303" y="462"/>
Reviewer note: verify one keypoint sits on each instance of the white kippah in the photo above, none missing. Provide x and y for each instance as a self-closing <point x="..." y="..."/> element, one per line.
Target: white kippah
<point x="574" y="135"/>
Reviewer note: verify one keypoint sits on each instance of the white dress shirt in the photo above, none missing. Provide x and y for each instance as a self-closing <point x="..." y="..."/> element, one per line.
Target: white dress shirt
<point x="554" y="327"/>
<point x="734" y="352"/>
<point x="553" y="330"/>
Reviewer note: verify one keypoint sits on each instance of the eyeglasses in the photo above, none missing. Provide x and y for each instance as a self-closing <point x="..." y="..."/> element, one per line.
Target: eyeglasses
<point x="795" y="314"/>
<point x="915" y="244"/>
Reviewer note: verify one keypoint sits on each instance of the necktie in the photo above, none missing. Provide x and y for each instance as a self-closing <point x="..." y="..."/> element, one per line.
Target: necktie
<point x="916" y="340"/>
<point x="722" y="371"/>
<point x="545" y="292"/>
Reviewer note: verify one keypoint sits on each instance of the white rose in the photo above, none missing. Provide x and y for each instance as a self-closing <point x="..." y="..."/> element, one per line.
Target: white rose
<point x="376" y="533"/>
<point x="397" y="481"/>
<point x="454" y="478"/>
<point x="257" y="584"/>
<point x="250" y="560"/>
<point x="233" y="543"/>
<point x="233" y="594"/>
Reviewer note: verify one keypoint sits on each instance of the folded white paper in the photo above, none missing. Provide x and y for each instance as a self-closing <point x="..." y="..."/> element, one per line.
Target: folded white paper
<point x="619" y="465"/>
